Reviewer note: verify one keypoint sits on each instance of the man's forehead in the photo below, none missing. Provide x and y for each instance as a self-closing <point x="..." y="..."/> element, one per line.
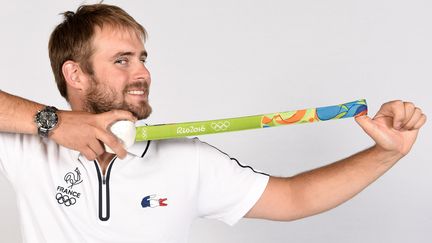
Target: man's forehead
<point x="117" y="28"/>
<point x="117" y="39"/>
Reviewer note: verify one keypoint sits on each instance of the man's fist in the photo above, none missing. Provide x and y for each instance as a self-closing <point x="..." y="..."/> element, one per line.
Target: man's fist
<point x="395" y="126"/>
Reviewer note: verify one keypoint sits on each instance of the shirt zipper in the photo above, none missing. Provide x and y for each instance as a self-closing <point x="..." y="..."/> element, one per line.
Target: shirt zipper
<point x="104" y="192"/>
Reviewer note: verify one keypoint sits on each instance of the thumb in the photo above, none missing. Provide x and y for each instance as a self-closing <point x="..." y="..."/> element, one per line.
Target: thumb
<point x="367" y="125"/>
<point x="118" y="115"/>
<point x="107" y="119"/>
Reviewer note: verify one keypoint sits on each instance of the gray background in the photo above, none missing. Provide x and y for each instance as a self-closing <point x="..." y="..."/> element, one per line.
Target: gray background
<point x="215" y="59"/>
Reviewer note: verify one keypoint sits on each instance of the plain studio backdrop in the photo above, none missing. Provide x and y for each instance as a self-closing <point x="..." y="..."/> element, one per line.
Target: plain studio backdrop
<point x="218" y="59"/>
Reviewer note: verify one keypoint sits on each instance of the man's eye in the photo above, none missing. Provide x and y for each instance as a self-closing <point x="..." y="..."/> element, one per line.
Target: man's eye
<point x="143" y="60"/>
<point x="121" y="61"/>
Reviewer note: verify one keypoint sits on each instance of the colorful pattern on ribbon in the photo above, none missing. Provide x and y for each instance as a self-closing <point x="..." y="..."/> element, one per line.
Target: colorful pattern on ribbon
<point x="351" y="109"/>
<point x="185" y="129"/>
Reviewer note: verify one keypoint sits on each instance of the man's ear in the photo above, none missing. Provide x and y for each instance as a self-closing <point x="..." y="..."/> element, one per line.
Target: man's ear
<point x="74" y="76"/>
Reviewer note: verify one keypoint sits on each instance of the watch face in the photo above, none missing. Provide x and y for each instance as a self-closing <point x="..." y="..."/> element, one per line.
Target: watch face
<point x="47" y="119"/>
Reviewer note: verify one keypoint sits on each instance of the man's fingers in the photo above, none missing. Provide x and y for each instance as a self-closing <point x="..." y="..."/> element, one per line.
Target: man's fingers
<point x="404" y="114"/>
<point x="420" y="122"/>
<point x="417" y="114"/>
<point x="89" y="153"/>
<point x="118" y="115"/>
<point x="97" y="147"/>
<point x="394" y="109"/>
<point x="409" y="112"/>
<point x="123" y="115"/>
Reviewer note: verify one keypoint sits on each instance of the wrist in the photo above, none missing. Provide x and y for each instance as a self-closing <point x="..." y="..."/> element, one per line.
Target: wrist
<point x="384" y="155"/>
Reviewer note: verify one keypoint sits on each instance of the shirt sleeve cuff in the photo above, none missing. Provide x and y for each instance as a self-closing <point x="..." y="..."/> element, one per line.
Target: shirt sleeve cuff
<point x="249" y="200"/>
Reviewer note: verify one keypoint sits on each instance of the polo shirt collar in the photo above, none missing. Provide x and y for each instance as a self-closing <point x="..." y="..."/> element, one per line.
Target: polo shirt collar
<point x="138" y="149"/>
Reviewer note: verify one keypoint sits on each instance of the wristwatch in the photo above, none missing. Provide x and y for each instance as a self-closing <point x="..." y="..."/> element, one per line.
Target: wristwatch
<point x="46" y="120"/>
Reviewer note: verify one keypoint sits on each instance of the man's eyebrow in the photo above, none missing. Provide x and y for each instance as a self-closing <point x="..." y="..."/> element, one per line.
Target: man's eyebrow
<point x="128" y="53"/>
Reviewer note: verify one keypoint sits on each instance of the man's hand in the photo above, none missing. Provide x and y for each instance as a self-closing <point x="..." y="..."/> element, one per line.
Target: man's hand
<point x="86" y="132"/>
<point x="395" y="126"/>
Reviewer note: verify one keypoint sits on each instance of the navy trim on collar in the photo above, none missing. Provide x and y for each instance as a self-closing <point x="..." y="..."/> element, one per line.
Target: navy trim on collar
<point x="145" y="151"/>
<point x="140" y="149"/>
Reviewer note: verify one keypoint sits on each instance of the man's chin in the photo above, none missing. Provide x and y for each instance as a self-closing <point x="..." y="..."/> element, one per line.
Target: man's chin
<point x="141" y="112"/>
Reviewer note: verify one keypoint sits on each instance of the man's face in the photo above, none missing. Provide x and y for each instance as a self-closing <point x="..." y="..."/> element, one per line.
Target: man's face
<point x="120" y="80"/>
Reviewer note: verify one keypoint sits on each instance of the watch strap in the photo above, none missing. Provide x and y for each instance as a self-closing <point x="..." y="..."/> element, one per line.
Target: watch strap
<point x="43" y="132"/>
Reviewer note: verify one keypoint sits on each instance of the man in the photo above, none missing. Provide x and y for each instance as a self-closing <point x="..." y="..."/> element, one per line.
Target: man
<point x="153" y="191"/>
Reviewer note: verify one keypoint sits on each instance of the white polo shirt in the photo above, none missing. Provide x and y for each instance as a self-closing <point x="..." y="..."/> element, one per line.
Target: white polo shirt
<point x="153" y="195"/>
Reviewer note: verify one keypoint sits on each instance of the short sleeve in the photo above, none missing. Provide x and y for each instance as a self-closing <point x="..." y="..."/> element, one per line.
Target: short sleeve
<point x="227" y="189"/>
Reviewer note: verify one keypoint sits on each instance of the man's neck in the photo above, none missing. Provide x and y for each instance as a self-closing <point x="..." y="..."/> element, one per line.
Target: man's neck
<point x="104" y="161"/>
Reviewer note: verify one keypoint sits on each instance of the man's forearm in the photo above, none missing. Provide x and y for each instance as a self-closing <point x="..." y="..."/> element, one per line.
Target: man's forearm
<point x="17" y="114"/>
<point x="324" y="188"/>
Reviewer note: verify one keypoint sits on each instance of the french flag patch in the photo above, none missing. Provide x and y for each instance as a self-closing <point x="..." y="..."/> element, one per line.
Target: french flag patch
<point x="153" y="201"/>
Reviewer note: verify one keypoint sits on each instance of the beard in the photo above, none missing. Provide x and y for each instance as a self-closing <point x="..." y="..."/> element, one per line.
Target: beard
<point x="101" y="98"/>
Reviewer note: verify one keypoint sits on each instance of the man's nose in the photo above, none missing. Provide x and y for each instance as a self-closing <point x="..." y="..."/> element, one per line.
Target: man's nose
<point x="141" y="72"/>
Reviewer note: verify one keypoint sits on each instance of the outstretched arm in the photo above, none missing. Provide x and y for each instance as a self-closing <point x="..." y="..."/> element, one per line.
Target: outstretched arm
<point x="394" y="130"/>
<point x="76" y="130"/>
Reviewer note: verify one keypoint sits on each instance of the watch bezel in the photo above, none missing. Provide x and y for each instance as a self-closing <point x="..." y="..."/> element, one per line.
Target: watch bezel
<point x="46" y="120"/>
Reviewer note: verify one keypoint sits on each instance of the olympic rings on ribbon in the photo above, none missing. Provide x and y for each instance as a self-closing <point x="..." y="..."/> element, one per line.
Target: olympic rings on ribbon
<point x="220" y="126"/>
<point x="65" y="199"/>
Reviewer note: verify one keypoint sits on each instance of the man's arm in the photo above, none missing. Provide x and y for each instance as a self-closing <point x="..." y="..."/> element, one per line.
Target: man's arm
<point x="394" y="130"/>
<point x="17" y="114"/>
<point x="79" y="131"/>
<point x="321" y="189"/>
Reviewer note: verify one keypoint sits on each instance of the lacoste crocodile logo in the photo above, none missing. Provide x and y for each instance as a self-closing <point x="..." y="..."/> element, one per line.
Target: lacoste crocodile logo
<point x="153" y="201"/>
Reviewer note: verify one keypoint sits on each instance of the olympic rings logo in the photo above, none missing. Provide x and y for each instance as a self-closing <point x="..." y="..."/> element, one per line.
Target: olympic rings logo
<point x="220" y="126"/>
<point x="65" y="199"/>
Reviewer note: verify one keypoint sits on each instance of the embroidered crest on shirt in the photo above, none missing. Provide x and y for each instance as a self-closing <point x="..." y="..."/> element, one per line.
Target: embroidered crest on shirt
<point x="72" y="178"/>
<point x="153" y="201"/>
<point x="65" y="195"/>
